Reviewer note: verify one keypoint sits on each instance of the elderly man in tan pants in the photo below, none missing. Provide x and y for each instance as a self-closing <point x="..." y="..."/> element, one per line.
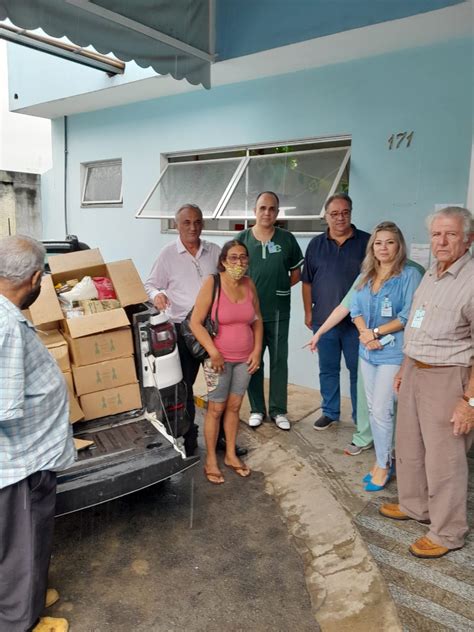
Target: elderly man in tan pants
<point x="435" y="420"/>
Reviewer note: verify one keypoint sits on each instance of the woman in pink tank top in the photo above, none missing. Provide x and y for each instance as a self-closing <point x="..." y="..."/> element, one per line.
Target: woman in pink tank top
<point x="234" y="353"/>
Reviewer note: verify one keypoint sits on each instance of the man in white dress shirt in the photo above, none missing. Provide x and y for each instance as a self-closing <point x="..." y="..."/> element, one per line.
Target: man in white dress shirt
<point x="174" y="282"/>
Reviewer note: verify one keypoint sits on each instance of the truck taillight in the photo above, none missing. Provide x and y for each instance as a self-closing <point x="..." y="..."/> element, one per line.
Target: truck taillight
<point x="162" y="339"/>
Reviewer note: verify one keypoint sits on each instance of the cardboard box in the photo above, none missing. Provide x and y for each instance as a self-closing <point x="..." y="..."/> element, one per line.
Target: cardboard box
<point x="55" y="343"/>
<point x="75" y="411"/>
<point x="123" y="274"/>
<point x="82" y="444"/>
<point x="94" y="348"/>
<point x="69" y="381"/>
<point x="111" y="401"/>
<point x="104" y="375"/>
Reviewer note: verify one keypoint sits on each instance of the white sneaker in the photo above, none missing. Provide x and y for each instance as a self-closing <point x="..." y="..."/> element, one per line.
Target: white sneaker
<point x="282" y="422"/>
<point x="255" y="420"/>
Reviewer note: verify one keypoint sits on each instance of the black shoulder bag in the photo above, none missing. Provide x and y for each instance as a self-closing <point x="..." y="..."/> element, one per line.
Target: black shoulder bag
<point x="195" y="348"/>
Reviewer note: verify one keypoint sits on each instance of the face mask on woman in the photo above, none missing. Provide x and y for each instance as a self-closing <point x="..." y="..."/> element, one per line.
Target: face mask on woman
<point x="236" y="272"/>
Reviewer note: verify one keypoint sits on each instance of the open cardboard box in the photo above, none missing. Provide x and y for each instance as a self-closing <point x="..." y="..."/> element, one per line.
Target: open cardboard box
<point x="76" y="265"/>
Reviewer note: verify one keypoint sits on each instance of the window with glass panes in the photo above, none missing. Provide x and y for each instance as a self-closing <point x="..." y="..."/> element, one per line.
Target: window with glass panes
<point x="225" y="183"/>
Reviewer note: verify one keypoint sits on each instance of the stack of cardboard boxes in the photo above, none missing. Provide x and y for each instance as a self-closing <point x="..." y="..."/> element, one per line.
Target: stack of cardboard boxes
<point x="102" y="371"/>
<point x="54" y="341"/>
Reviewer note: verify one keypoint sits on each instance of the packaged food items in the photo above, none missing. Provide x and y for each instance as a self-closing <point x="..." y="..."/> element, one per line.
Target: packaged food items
<point x="94" y="306"/>
<point x="104" y="287"/>
<point x="82" y="291"/>
<point x="73" y="312"/>
<point x="65" y="287"/>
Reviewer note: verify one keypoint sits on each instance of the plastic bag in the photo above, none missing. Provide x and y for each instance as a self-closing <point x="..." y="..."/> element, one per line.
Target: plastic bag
<point x="104" y="287"/>
<point x="83" y="291"/>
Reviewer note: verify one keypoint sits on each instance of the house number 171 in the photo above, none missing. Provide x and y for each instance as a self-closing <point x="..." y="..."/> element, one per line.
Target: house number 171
<point x="395" y="141"/>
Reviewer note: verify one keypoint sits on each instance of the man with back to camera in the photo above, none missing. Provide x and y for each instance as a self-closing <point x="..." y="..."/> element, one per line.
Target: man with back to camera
<point x="275" y="262"/>
<point x="332" y="262"/>
<point x="35" y="443"/>
<point x="435" y="420"/>
<point x="174" y="282"/>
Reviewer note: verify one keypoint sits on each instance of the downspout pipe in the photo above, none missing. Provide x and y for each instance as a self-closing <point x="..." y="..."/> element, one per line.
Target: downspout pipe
<point x="65" y="192"/>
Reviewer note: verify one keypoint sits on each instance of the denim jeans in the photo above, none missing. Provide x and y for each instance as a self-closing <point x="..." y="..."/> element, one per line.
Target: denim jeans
<point x="378" y="382"/>
<point x="341" y="339"/>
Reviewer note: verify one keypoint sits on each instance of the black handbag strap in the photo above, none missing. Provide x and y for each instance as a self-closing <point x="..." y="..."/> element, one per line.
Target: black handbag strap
<point x="216" y="293"/>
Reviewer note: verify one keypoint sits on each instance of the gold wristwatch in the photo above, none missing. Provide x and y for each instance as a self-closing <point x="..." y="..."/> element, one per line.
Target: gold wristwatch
<point x="469" y="400"/>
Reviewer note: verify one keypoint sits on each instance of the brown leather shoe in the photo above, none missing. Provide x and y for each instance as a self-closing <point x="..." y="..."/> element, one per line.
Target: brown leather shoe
<point x="392" y="510"/>
<point x="52" y="596"/>
<point x="424" y="547"/>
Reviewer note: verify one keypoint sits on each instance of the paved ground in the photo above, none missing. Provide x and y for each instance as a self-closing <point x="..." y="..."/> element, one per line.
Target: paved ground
<point x="299" y="542"/>
<point x="429" y="596"/>
<point x="182" y="556"/>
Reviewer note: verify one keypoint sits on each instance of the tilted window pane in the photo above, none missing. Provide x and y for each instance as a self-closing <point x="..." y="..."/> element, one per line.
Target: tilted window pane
<point x="104" y="183"/>
<point x="202" y="183"/>
<point x="302" y="181"/>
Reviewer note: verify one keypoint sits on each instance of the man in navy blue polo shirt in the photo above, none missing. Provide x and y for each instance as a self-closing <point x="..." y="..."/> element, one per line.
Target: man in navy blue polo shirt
<point x="332" y="262"/>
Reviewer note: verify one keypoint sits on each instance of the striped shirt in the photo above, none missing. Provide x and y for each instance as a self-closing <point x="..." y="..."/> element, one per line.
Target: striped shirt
<point x="179" y="275"/>
<point x="35" y="433"/>
<point x="445" y="307"/>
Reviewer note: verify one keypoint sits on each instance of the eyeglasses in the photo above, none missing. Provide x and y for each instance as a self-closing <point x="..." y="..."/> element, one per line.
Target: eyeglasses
<point x="237" y="258"/>
<point x="335" y="214"/>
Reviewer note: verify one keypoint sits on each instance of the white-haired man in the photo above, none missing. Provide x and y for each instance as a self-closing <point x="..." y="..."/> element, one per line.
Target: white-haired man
<point x="435" y="418"/>
<point x="174" y="282"/>
<point x="35" y="443"/>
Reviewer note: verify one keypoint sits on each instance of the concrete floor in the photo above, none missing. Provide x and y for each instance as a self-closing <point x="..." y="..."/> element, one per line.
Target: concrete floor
<point x="185" y="555"/>
<point x="299" y="542"/>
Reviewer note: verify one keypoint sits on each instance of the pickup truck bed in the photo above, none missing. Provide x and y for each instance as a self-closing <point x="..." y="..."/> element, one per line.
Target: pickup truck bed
<point x="129" y="453"/>
<point x="126" y="456"/>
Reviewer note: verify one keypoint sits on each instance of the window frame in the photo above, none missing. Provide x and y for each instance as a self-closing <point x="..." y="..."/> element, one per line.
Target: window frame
<point x="322" y="144"/>
<point x="139" y="213"/>
<point x="85" y="170"/>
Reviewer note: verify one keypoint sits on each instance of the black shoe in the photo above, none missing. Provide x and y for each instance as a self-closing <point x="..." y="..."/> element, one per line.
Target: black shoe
<point x="221" y="447"/>
<point x="323" y="423"/>
<point x="190" y="440"/>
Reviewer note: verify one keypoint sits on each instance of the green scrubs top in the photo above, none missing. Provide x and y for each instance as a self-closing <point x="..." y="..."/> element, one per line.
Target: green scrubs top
<point x="269" y="267"/>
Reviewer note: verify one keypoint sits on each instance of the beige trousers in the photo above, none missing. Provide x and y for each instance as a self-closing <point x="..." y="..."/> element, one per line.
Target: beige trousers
<point x="432" y="470"/>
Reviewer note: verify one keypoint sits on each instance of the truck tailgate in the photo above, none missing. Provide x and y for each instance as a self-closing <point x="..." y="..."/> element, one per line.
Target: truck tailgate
<point x="125" y="457"/>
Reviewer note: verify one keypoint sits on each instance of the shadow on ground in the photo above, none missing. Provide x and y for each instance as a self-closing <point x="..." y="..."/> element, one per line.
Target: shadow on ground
<point x="135" y="564"/>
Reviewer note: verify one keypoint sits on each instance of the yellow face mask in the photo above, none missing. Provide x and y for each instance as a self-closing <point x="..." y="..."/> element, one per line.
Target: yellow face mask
<point x="236" y="272"/>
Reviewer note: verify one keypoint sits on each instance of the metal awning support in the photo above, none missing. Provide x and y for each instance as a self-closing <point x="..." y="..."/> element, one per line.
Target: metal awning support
<point x="133" y="25"/>
<point x="61" y="49"/>
<point x="172" y="37"/>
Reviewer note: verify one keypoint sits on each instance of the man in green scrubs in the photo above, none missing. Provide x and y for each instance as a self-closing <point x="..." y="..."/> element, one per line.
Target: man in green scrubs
<point x="275" y="266"/>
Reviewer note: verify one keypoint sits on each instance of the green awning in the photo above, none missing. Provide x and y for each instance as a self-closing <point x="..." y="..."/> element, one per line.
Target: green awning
<point x="172" y="36"/>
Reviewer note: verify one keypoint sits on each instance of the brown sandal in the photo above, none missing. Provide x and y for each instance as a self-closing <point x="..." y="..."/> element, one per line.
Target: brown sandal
<point x="242" y="470"/>
<point x="215" y="478"/>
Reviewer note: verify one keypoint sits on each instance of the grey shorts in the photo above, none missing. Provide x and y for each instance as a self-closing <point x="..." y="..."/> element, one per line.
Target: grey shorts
<point x="234" y="379"/>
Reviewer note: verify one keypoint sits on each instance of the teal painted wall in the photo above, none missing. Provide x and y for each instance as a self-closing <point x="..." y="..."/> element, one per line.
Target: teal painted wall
<point x="247" y="26"/>
<point x="427" y="90"/>
<point x="36" y="77"/>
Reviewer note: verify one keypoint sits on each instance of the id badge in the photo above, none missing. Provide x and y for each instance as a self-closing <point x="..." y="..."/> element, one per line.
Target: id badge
<point x="418" y="318"/>
<point x="386" y="310"/>
<point x="271" y="247"/>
